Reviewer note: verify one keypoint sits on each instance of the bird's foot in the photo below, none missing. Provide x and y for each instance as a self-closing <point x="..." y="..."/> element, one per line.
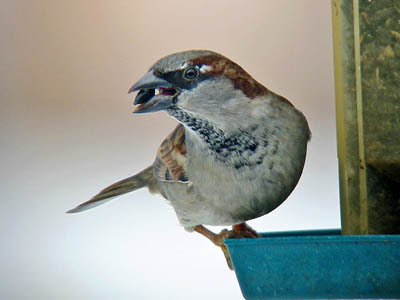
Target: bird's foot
<point x="244" y="231"/>
<point x="238" y="231"/>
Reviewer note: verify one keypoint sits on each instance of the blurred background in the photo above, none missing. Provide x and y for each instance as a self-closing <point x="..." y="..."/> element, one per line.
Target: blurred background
<point x="67" y="131"/>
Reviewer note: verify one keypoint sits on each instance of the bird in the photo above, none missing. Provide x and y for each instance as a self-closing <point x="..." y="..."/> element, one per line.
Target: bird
<point x="237" y="152"/>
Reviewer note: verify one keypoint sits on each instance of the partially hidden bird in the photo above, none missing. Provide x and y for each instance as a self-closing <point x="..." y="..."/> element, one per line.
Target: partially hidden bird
<point x="237" y="153"/>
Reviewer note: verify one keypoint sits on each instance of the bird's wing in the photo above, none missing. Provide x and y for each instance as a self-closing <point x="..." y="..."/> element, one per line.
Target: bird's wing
<point x="171" y="157"/>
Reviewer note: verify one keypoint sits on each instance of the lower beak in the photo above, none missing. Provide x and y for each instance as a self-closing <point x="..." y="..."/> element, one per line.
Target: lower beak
<point x="146" y="99"/>
<point x="156" y="103"/>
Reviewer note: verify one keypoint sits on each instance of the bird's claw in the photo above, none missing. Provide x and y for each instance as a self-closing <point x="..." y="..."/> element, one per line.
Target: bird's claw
<point x="238" y="231"/>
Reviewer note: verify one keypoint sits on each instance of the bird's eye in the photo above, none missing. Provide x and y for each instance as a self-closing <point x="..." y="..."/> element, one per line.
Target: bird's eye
<point x="190" y="73"/>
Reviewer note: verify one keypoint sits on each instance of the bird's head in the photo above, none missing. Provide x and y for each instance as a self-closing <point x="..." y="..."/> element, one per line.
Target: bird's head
<point x="199" y="82"/>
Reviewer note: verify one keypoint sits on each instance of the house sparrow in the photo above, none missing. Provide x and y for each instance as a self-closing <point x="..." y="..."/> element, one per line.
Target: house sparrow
<point x="236" y="155"/>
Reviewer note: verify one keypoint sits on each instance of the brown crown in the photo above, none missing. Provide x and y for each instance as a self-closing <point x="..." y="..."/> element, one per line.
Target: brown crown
<point x="240" y="78"/>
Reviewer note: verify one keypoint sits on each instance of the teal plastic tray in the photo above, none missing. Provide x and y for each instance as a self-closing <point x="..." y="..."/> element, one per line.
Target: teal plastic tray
<point x="317" y="264"/>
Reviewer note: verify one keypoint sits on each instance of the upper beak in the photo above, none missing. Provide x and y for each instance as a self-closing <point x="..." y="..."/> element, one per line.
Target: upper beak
<point x="146" y="98"/>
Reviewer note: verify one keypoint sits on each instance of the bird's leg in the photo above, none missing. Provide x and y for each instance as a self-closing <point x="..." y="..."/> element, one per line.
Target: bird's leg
<point x="218" y="240"/>
<point x="241" y="230"/>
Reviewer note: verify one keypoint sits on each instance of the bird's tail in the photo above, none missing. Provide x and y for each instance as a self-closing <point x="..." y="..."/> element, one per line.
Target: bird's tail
<point x="142" y="179"/>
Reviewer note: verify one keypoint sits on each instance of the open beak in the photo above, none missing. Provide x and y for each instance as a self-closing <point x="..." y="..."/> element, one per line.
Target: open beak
<point x="155" y="94"/>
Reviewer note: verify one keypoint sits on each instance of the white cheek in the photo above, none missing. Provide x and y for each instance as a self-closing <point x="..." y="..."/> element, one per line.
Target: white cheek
<point x="208" y="96"/>
<point x="186" y="100"/>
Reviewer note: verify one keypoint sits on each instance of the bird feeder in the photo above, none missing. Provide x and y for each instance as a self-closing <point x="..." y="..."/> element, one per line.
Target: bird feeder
<point x="362" y="259"/>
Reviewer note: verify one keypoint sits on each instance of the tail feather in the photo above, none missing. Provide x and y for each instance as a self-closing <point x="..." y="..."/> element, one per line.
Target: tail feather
<point x="142" y="179"/>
